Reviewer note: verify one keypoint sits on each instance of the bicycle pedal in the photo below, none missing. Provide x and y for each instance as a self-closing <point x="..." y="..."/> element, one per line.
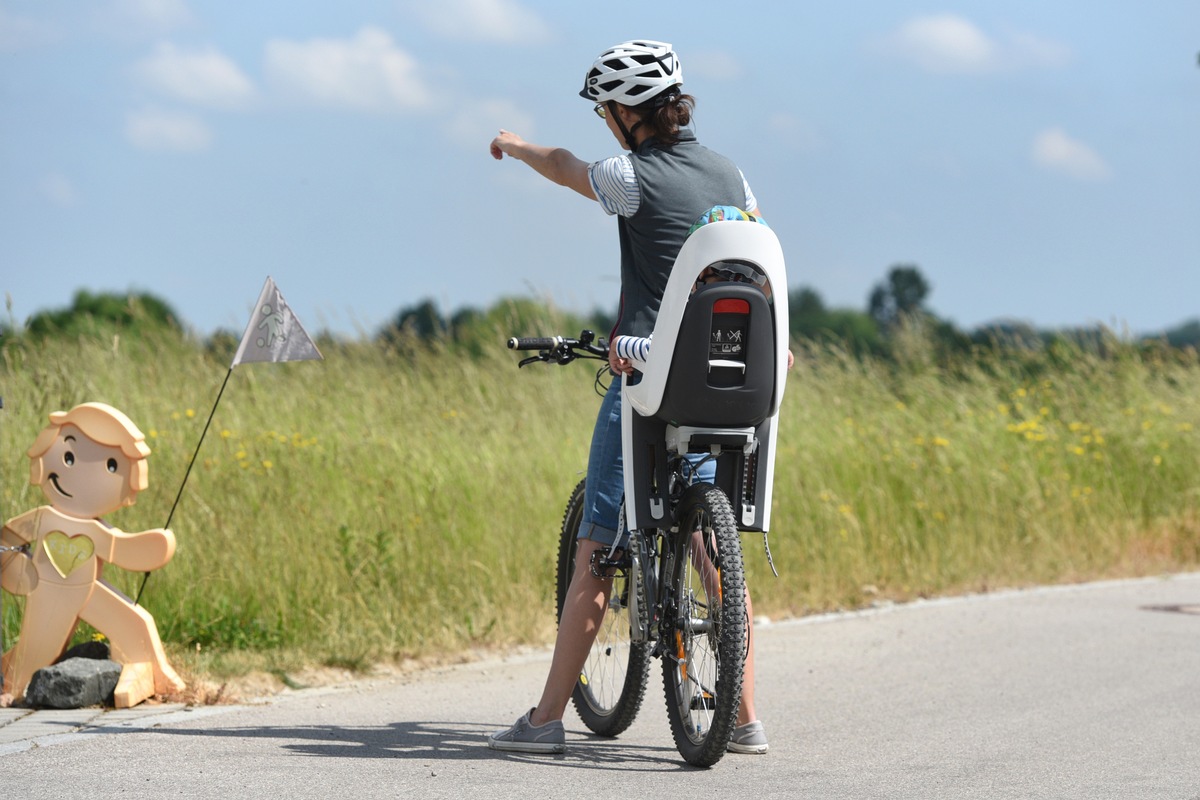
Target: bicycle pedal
<point x="704" y="701"/>
<point x="603" y="567"/>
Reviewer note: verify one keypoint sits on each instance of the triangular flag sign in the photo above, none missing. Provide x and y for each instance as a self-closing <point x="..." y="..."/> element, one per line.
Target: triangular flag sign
<point x="274" y="334"/>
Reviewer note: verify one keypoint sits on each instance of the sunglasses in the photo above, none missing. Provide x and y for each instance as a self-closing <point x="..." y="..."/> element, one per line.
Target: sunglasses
<point x="600" y="110"/>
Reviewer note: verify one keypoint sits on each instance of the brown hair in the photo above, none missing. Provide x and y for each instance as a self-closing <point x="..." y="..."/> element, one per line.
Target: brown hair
<point x="666" y="114"/>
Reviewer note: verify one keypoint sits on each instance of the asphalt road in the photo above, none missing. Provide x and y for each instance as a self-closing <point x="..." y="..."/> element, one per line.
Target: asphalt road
<point x="1074" y="692"/>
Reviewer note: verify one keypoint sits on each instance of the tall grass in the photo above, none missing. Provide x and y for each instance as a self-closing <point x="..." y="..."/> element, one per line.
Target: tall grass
<point x="392" y="503"/>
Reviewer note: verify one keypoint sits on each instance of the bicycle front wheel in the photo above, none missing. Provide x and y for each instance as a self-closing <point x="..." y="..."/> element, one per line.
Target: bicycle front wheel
<point x="612" y="683"/>
<point x="705" y="647"/>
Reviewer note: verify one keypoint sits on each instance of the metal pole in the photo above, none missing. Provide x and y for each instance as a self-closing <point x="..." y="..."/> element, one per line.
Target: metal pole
<point x="191" y="463"/>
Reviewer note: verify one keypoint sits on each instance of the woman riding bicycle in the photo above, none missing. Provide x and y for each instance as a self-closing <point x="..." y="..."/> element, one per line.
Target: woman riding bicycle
<point x="656" y="191"/>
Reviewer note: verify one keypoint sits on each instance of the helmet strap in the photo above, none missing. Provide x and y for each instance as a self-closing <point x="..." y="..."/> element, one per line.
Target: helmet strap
<point x="626" y="132"/>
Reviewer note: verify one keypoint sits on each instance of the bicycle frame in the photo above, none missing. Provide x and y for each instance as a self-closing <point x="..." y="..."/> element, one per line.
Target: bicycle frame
<point x="647" y="562"/>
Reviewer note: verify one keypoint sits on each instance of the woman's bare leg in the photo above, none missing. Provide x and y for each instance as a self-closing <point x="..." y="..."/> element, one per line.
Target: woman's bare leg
<point x="583" y="611"/>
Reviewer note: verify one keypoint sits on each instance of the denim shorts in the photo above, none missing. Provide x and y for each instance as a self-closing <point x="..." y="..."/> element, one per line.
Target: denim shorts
<point x="604" y="492"/>
<point x="605" y="488"/>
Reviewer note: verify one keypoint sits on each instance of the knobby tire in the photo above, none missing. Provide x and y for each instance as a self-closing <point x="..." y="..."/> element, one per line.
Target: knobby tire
<point x="704" y="647"/>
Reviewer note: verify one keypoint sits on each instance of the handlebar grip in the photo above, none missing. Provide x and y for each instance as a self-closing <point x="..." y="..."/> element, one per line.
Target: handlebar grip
<point x="534" y="342"/>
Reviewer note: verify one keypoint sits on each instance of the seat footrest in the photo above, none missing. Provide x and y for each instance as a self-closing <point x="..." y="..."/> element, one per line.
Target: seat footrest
<point x="689" y="439"/>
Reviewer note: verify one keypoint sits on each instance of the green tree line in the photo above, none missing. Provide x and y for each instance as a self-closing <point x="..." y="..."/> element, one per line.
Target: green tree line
<point x="896" y="305"/>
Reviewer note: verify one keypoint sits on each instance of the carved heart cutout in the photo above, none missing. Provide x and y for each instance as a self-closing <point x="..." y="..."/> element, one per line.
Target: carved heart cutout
<point x="67" y="553"/>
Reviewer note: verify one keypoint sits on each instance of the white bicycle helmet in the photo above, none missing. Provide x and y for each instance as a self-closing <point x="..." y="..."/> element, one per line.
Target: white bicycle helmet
<point x="632" y="73"/>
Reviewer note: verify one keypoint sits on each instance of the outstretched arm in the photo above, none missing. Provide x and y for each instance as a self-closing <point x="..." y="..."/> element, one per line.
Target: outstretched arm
<point x="553" y="163"/>
<point x="142" y="551"/>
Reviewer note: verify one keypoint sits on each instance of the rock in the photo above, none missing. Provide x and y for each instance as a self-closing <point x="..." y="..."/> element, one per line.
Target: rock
<point x="74" y="683"/>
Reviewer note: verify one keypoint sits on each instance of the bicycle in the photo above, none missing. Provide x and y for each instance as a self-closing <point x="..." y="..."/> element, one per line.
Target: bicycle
<point x="678" y="586"/>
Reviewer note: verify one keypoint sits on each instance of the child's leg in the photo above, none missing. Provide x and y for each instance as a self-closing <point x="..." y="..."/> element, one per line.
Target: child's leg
<point x="709" y="578"/>
<point x="747" y="712"/>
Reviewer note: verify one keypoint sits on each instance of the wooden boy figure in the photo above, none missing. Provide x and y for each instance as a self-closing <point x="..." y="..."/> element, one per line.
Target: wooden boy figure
<point x="90" y="461"/>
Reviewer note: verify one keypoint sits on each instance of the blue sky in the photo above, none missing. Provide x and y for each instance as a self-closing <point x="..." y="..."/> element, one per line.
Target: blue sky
<point x="1038" y="161"/>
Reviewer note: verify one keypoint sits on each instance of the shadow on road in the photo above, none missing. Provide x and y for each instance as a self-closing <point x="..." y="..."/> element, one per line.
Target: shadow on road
<point x="1179" y="608"/>
<point x="442" y="741"/>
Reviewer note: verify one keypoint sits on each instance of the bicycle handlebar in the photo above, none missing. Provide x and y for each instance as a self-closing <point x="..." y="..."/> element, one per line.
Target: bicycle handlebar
<point x="534" y="342"/>
<point x="560" y="349"/>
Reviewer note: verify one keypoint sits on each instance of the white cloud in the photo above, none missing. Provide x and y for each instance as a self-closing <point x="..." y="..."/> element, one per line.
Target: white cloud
<point x="477" y="123"/>
<point x="1058" y="152"/>
<point x="58" y="189"/>
<point x="368" y="72"/>
<point x="948" y="43"/>
<point x="167" y="131"/>
<point x="202" y="76"/>
<point x="481" y="20"/>
<point x="943" y="43"/>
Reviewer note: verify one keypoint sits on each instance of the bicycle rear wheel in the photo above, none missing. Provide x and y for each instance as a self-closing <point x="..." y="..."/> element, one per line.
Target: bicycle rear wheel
<point x="611" y="685"/>
<point x="705" y="646"/>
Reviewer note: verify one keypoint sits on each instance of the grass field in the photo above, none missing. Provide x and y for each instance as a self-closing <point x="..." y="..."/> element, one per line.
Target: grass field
<point x="382" y="505"/>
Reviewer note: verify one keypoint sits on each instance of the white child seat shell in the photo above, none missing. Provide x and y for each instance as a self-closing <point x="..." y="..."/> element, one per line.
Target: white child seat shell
<point x="726" y="240"/>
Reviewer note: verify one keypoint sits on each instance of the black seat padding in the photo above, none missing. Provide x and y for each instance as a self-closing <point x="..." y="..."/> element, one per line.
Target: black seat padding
<point x="726" y="326"/>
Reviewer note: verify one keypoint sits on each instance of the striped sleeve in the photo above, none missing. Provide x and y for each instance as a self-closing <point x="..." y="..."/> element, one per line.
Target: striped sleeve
<point x="633" y="348"/>
<point x="615" y="185"/>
